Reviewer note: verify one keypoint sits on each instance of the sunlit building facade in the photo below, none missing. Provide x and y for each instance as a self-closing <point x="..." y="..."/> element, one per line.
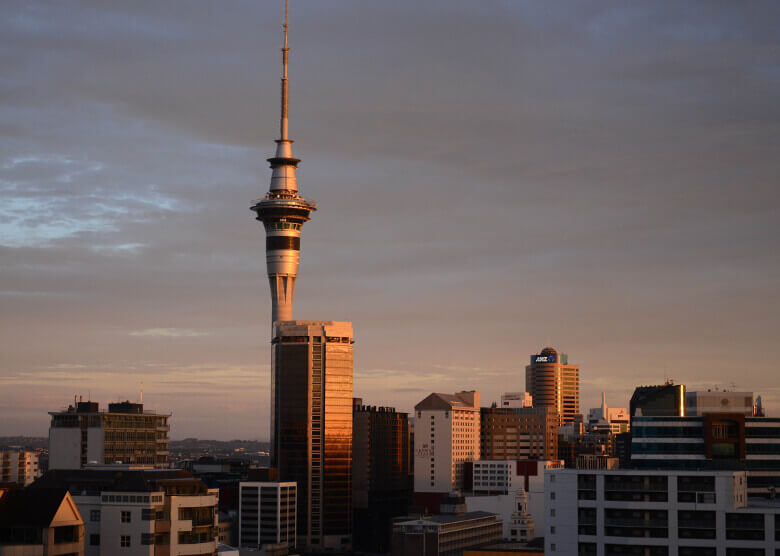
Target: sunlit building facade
<point x="126" y="433"/>
<point x="554" y="383"/>
<point x="312" y="426"/>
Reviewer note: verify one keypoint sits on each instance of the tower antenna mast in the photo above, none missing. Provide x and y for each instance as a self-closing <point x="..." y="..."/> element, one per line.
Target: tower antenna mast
<point x="285" y="86"/>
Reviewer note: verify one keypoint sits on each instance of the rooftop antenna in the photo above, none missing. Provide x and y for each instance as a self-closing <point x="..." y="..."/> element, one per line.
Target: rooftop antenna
<point x="141" y="397"/>
<point x="285" y="87"/>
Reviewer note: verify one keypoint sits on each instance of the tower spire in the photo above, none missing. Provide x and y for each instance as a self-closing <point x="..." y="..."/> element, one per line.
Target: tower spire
<point x="283" y="131"/>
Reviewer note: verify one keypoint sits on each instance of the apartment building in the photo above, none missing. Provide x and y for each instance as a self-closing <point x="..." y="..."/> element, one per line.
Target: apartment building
<point x="141" y="512"/>
<point x="42" y="521"/>
<point x="657" y="513"/>
<point x="19" y="467"/>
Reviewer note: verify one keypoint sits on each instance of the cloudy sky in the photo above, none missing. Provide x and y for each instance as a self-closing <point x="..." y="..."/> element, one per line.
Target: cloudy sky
<point x="492" y="177"/>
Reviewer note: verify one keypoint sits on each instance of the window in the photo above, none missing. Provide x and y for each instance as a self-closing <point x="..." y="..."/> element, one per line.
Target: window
<point x="552" y="495"/>
<point x="94" y="515"/>
<point x="552" y="529"/>
<point x="552" y="512"/>
<point x="552" y="547"/>
<point x="125" y="517"/>
<point x="124" y="541"/>
<point x="94" y="540"/>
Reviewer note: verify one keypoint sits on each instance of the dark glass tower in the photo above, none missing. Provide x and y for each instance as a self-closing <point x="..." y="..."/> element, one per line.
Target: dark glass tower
<point x="312" y="426"/>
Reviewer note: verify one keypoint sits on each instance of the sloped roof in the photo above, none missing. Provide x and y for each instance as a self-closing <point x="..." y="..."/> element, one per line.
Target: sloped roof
<point x="30" y="507"/>
<point x="441" y="401"/>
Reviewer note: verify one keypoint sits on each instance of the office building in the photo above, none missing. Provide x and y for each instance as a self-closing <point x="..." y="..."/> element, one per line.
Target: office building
<point x="554" y="383"/>
<point x="715" y="441"/>
<point x="522" y="433"/>
<point x="610" y="419"/>
<point x="381" y="488"/>
<point x="266" y="514"/>
<point x="132" y="512"/>
<point x="283" y="211"/>
<point x="516" y="400"/>
<point x="657" y="513"/>
<point x="446" y="436"/>
<point x="716" y="401"/>
<point x="312" y="426"/>
<point x="42" y="521"/>
<point x="494" y="485"/>
<point x="19" y="467"/>
<point x="444" y="535"/>
<point x="664" y="400"/>
<point x="126" y="434"/>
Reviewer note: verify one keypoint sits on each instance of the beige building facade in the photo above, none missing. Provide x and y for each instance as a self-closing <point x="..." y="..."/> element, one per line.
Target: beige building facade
<point x="446" y="435"/>
<point x="19" y="467"/>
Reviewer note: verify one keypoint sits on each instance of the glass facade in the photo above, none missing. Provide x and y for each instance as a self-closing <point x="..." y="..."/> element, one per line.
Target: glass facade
<point x="312" y="425"/>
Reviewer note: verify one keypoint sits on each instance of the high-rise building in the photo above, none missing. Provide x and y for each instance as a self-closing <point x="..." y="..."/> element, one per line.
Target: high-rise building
<point x="554" y="383"/>
<point x="266" y="514"/>
<point x="714" y="441"/>
<point x="663" y="400"/>
<point x="446" y="434"/>
<point x="283" y="211"/>
<point x="381" y="488"/>
<point x="523" y="433"/>
<point x="312" y="426"/>
<point x="19" y="467"/>
<point x="82" y="434"/>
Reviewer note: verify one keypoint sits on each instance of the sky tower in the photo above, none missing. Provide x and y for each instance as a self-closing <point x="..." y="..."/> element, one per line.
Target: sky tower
<point x="283" y="211"/>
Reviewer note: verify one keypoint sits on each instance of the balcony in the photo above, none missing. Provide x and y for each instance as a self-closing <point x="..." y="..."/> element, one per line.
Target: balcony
<point x="162" y="526"/>
<point x="197" y="549"/>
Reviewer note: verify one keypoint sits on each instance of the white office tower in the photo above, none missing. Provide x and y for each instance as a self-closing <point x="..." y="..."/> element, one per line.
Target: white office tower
<point x="18" y="467"/>
<point x="657" y="513"/>
<point x="521" y="528"/>
<point x="266" y="514"/>
<point x="516" y="400"/>
<point x="446" y="435"/>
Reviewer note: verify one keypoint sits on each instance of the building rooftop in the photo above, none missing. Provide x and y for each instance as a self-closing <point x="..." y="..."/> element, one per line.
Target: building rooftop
<point x="451" y="518"/>
<point x="30" y="507"/>
<point x="444" y="401"/>
<point x="94" y="481"/>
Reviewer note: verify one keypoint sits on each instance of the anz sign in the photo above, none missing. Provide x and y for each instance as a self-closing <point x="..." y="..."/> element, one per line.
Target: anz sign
<point x="542" y="359"/>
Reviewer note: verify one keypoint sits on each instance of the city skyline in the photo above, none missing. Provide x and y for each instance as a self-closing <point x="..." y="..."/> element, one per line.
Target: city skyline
<point x="595" y="178"/>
